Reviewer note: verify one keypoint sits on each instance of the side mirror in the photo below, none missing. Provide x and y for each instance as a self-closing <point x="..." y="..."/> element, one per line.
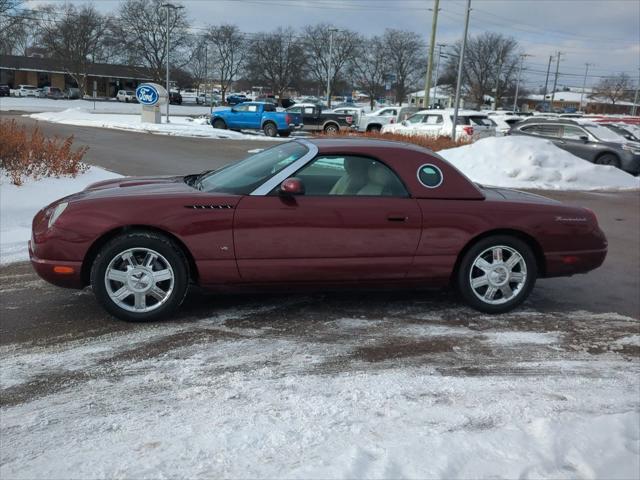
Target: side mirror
<point x="584" y="138"/>
<point x="292" y="186"/>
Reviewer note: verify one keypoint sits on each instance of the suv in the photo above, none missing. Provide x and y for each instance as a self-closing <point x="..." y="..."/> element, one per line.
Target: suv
<point x="126" y="96"/>
<point x="587" y="140"/>
<point x="374" y="121"/>
<point x="471" y="124"/>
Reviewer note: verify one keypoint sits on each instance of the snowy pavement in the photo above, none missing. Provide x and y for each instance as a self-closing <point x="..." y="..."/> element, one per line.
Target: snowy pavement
<point x="266" y="389"/>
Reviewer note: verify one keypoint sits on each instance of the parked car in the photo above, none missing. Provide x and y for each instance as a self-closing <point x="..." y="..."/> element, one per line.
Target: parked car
<point x="317" y="119"/>
<point x="257" y="116"/>
<point x="235" y="99"/>
<point x="5" y="91"/>
<point x="374" y="121"/>
<point x="52" y="92"/>
<point x="585" y="139"/>
<point x="27" y="91"/>
<point x="189" y="95"/>
<point x="504" y="123"/>
<point x="356" y="112"/>
<point x="126" y="96"/>
<point x="72" y="93"/>
<point x="471" y="125"/>
<point x="208" y="99"/>
<point x="310" y="213"/>
<point x="175" y="98"/>
<point x="623" y="130"/>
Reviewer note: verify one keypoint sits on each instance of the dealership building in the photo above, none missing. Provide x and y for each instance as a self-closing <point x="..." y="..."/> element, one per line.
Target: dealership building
<point x="44" y="72"/>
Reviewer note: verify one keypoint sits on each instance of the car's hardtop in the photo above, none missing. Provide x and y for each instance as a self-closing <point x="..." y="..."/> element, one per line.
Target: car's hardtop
<point x="406" y="159"/>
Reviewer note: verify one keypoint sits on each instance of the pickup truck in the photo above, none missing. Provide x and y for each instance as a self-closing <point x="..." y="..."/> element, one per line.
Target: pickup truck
<point x="374" y="121"/>
<point x="317" y="120"/>
<point x="256" y="116"/>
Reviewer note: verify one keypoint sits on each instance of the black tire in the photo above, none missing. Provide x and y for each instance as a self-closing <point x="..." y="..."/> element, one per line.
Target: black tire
<point x="466" y="271"/>
<point x="331" y="129"/>
<point x="270" y="129"/>
<point x="219" y="123"/>
<point x="608" y="159"/>
<point x="156" y="242"/>
<point x="126" y="100"/>
<point x="284" y="134"/>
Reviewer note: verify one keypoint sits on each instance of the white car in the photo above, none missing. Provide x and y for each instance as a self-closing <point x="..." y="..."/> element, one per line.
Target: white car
<point x="355" y="112"/>
<point x="27" y="91"/>
<point x="505" y="122"/>
<point x="472" y="125"/>
<point x="374" y="121"/>
<point x="126" y="96"/>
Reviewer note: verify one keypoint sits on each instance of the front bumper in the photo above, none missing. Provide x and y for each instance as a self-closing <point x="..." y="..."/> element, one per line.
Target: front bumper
<point x="46" y="270"/>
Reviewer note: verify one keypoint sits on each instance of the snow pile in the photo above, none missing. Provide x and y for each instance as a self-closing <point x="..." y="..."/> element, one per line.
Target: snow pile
<point x="18" y="205"/>
<point x="534" y="163"/>
<point x="180" y="126"/>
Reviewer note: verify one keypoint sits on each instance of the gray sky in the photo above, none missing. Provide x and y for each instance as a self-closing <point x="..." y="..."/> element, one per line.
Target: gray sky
<point x="605" y="33"/>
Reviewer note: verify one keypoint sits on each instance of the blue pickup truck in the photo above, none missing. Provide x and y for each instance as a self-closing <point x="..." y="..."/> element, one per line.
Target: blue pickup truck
<point x="257" y="116"/>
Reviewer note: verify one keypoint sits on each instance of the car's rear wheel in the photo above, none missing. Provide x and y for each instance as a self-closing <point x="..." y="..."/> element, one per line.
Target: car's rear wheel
<point x="331" y="129"/>
<point x="219" y="123"/>
<point x="497" y="274"/>
<point x="608" y="159"/>
<point x="270" y="129"/>
<point x="140" y="276"/>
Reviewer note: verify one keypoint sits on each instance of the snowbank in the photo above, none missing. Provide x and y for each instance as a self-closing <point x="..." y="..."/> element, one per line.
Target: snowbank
<point x="533" y="163"/>
<point x="180" y="126"/>
<point x="18" y="205"/>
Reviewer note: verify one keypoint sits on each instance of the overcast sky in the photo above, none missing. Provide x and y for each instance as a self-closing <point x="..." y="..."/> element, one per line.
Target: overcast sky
<point x="605" y="33"/>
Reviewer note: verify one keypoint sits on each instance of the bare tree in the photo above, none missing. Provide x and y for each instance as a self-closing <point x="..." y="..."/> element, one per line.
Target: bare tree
<point x="613" y="88"/>
<point x="199" y="60"/>
<point x="486" y="56"/>
<point x="323" y="61"/>
<point x="369" y="68"/>
<point x="17" y="28"/>
<point x="73" y="36"/>
<point x="406" y="65"/>
<point x="142" y="25"/>
<point x="229" y="54"/>
<point x="277" y="59"/>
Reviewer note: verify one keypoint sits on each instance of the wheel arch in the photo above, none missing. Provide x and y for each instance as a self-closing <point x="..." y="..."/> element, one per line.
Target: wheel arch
<point x="371" y="126"/>
<point x="538" y="252"/>
<point x="95" y="247"/>
<point x="330" y="122"/>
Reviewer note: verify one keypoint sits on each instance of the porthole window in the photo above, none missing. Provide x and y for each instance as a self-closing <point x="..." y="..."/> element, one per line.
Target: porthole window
<point x="430" y="176"/>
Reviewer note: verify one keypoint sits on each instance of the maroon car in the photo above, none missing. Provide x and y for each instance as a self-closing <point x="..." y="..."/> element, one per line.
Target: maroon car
<point x="330" y="212"/>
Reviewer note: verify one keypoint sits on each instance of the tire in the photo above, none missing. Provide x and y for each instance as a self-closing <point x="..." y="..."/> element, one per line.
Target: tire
<point x="608" y="159"/>
<point x="331" y="129"/>
<point x="130" y="291"/>
<point x="284" y="134"/>
<point x="374" y="129"/>
<point x="126" y="100"/>
<point x="219" y="123"/>
<point x="500" y="285"/>
<point x="270" y="129"/>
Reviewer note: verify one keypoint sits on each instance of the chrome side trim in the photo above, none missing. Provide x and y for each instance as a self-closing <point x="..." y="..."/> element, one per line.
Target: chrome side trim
<point x="281" y="176"/>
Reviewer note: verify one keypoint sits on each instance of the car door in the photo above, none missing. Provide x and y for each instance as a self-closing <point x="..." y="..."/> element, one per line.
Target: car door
<point x="431" y="125"/>
<point x="575" y="140"/>
<point x="356" y="221"/>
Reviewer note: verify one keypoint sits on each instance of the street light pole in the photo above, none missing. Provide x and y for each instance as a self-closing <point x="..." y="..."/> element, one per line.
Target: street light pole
<point x="173" y="7"/>
<point x="515" y="98"/>
<point x="460" y="63"/>
<point x="584" y="82"/>
<point x="555" y="79"/>
<point x="331" y="30"/>
<point x="546" y="81"/>
<point x="432" y="44"/>
<point x="435" y="87"/>
<point x="634" y="109"/>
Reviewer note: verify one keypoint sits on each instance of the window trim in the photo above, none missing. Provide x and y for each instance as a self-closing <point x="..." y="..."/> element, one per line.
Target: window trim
<point x="432" y="166"/>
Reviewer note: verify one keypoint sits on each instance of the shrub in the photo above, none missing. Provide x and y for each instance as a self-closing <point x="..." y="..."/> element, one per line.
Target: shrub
<point x="432" y="143"/>
<point x="33" y="155"/>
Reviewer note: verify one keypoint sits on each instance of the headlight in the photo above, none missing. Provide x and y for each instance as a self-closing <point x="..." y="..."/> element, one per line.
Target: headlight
<point x="57" y="212"/>
<point x="631" y="148"/>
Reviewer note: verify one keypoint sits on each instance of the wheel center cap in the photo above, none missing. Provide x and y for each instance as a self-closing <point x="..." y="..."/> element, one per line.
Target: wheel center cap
<point x="499" y="276"/>
<point x="139" y="280"/>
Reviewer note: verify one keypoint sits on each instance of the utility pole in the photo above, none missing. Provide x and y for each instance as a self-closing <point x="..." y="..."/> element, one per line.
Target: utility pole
<point x="497" y="99"/>
<point x="635" y="99"/>
<point x="331" y="30"/>
<point x="584" y="82"/>
<point x="546" y="81"/>
<point x="432" y="44"/>
<point x="435" y="88"/>
<point x="169" y="6"/>
<point x="515" y="98"/>
<point x="456" y="104"/>
<point x="555" y="79"/>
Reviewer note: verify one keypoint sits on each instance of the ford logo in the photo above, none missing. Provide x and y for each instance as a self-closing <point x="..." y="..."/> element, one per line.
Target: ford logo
<point x="147" y="94"/>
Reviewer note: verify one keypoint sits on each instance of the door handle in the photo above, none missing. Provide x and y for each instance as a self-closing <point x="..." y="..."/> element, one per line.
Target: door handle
<point x="397" y="218"/>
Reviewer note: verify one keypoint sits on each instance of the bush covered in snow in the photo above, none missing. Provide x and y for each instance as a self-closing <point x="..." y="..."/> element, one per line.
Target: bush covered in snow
<point x="24" y="154"/>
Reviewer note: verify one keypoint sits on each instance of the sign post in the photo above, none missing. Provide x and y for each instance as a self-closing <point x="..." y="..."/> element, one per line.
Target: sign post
<point x="151" y="96"/>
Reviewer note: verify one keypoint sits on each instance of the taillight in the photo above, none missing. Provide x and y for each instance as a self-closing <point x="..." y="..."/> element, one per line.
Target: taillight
<point x="349" y="119"/>
<point x="287" y="119"/>
<point x="468" y="130"/>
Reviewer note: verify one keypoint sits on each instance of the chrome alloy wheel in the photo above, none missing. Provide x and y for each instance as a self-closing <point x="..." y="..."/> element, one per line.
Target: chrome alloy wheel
<point x="498" y="275"/>
<point x="139" y="280"/>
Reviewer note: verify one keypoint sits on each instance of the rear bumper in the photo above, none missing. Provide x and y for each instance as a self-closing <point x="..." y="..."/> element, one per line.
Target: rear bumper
<point x="561" y="264"/>
<point x="45" y="269"/>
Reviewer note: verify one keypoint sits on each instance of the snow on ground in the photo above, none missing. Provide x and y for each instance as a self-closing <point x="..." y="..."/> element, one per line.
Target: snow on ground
<point x="180" y="126"/>
<point x="29" y="104"/>
<point x="18" y="205"/>
<point x="254" y="392"/>
<point x="534" y="163"/>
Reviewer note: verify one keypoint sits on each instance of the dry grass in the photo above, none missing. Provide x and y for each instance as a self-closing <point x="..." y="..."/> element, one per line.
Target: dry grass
<point x="432" y="143"/>
<point x="32" y="155"/>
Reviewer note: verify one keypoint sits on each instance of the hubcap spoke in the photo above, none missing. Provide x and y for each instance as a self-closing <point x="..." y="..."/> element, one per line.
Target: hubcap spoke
<point x="490" y="293"/>
<point x="497" y="255"/>
<point x="513" y="261"/>
<point x="516" y="277"/>
<point x="482" y="264"/>
<point x="162" y="275"/>
<point x="117" y="276"/>
<point x="506" y="291"/>
<point x="130" y="259"/>
<point x="157" y="293"/>
<point x="122" y="293"/>
<point x="140" y="301"/>
<point x="149" y="259"/>
<point x="480" y="281"/>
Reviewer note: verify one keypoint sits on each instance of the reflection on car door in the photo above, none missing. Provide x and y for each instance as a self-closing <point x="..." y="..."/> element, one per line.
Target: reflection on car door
<point x="341" y="230"/>
<point x="572" y="140"/>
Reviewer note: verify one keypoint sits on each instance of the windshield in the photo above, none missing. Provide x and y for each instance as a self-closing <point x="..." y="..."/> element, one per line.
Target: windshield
<point x="244" y="177"/>
<point x="604" y="134"/>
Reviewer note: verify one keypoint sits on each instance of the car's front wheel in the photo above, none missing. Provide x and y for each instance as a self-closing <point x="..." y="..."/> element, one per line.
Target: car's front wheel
<point x="219" y="123"/>
<point x="608" y="159"/>
<point x="140" y="276"/>
<point x="497" y="274"/>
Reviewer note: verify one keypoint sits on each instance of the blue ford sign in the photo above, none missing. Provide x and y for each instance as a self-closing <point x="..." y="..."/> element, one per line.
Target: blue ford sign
<point x="147" y="94"/>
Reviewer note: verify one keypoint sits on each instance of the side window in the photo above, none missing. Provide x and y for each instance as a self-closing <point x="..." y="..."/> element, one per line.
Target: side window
<point x="241" y="108"/>
<point x="269" y="107"/>
<point x="308" y="110"/>
<point x="295" y="110"/>
<point x="252" y="108"/>
<point x="350" y="176"/>
<point x="573" y="133"/>
<point x="433" y="119"/>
